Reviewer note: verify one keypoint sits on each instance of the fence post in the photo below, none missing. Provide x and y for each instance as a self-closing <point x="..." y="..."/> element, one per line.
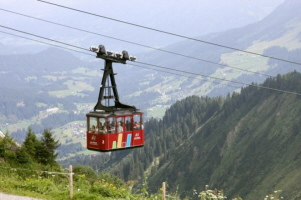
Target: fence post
<point x="71" y="182"/>
<point x="163" y="191"/>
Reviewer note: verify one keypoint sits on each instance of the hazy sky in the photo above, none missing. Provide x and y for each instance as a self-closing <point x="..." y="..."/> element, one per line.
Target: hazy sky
<point x="186" y="17"/>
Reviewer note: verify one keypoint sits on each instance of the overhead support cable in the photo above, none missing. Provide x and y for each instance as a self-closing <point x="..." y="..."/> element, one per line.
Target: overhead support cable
<point x="45" y="43"/>
<point x="44" y="38"/>
<point x="238" y="82"/>
<point x="137" y="44"/>
<point x="170" y="33"/>
<point x="158" y="66"/>
<point x="192" y="77"/>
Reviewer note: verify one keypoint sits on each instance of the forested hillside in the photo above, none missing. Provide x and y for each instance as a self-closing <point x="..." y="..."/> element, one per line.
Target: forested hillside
<point x="249" y="148"/>
<point x="246" y="144"/>
<point x="31" y="170"/>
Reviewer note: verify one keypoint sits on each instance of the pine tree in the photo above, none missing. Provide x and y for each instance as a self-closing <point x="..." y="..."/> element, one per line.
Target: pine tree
<point x="31" y="143"/>
<point x="7" y="147"/>
<point x="22" y="156"/>
<point x="46" y="154"/>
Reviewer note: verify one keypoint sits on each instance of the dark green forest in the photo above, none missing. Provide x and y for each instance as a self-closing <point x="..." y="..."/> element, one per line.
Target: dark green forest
<point x="248" y="139"/>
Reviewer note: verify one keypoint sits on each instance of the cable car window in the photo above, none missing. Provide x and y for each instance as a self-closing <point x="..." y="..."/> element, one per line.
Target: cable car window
<point x="102" y="128"/>
<point x="92" y="125"/>
<point x="128" y="123"/>
<point x="137" y="122"/>
<point x="110" y="124"/>
<point x="120" y="124"/>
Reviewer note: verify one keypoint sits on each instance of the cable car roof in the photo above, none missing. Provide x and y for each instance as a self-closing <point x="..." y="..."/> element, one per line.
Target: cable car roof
<point x="111" y="114"/>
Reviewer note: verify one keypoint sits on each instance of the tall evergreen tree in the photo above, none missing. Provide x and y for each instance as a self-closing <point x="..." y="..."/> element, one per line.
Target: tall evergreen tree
<point x="48" y="145"/>
<point x="6" y="146"/>
<point x="31" y="144"/>
<point x="22" y="156"/>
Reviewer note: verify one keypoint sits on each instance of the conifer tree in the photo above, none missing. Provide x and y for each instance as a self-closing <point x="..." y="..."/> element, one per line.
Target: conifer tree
<point x="47" y="147"/>
<point x="31" y="144"/>
<point x="22" y="156"/>
<point x="6" y="146"/>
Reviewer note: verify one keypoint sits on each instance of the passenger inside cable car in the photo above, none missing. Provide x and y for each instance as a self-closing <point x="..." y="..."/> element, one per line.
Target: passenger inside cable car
<point x="107" y="133"/>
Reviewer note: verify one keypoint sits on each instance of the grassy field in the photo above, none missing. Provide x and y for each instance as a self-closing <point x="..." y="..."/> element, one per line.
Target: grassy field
<point x="86" y="72"/>
<point x="243" y="61"/>
<point x="18" y="126"/>
<point x="40" y="105"/>
<point x="84" y="106"/>
<point x="156" y="112"/>
<point x="74" y="88"/>
<point x="67" y="132"/>
<point x="29" y="78"/>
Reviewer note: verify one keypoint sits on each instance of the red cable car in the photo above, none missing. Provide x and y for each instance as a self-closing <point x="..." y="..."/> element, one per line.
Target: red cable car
<point x="118" y="126"/>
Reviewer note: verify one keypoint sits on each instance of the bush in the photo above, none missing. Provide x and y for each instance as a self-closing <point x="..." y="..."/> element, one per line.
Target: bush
<point x="87" y="196"/>
<point x="85" y="170"/>
<point x="106" y="189"/>
<point x="41" y="186"/>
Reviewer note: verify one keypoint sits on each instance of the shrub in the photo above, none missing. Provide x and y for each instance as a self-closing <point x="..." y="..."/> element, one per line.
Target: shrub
<point x="109" y="190"/>
<point x="42" y="186"/>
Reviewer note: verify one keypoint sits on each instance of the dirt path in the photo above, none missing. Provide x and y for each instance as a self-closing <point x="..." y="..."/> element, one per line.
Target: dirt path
<point x="15" y="197"/>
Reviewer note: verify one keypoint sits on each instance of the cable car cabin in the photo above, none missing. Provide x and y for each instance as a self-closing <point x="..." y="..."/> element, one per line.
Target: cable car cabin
<point x="113" y="125"/>
<point x="110" y="132"/>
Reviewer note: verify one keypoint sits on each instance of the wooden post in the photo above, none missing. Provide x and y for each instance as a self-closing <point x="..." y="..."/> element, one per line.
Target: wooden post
<point x="163" y="191"/>
<point x="71" y="182"/>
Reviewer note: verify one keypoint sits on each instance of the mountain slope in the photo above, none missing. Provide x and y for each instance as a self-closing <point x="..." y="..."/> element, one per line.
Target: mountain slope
<point x="250" y="148"/>
<point x="246" y="144"/>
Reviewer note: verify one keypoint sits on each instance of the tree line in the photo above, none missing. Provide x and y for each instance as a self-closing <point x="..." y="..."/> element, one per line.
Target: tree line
<point x="33" y="150"/>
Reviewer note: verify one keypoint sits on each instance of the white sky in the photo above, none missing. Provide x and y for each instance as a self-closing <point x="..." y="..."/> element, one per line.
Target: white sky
<point x="186" y="17"/>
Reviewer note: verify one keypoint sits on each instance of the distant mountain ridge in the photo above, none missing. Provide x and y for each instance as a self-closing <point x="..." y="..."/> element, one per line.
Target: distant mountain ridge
<point x="181" y="17"/>
<point x="50" y="60"/>
<point x="279" y="29"/>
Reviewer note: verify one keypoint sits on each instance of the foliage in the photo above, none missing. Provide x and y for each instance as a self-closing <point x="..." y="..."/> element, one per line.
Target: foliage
<point x="84" y="170"/>
<point x="53" y="186"/>
<point x="8" y="149"/>
<point x="7" y="145"/>
<point x="211" y="194"/>
<point x="37" y="178"/>
<point x="249" y="138"/>
<point x="22" y="156"/>
<point x="31" y="144"/>
<point x="275" y="196"/>
<point x="109" y="190"/>
<point x="48" y="145"/>
<point x="41" y="186"/>
<point x="41" y="151"/>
